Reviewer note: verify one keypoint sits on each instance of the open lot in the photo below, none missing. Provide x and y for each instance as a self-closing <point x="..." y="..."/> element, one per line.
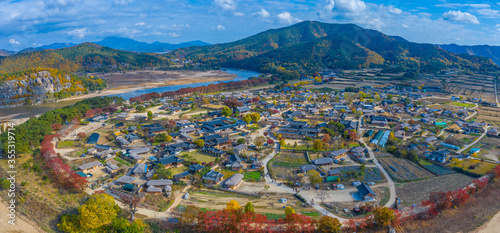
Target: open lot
<point x="405" y="170"/>
<point x="286" y="164"/>
<point x="417" y="191"/>
<point x="197" y="156"/>
<point x="475" y="166"/>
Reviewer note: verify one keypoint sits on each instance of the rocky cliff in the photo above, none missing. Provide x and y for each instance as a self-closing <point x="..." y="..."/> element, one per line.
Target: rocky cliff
<point x="36" y="87"/>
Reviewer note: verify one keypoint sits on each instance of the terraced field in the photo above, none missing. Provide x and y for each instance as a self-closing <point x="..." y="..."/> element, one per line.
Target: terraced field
<point x="403" y="170"/>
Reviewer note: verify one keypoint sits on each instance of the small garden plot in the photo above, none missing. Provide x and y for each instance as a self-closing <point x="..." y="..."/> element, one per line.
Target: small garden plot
<point x="68" y="144"/>
<point x="474" y="166"/>
<point x="403" y="170"/>
<point x="252" y="176"/>
<point x="438" y="170"/>
<point x="198" y="157"/>
<point x="157" y="202"/>
<point x="286" y="164"/>
<point x="373" y="175"/>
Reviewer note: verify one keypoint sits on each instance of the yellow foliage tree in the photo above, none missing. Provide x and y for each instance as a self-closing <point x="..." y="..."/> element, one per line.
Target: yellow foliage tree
<point x="329" y="224"/>
<point x="289" y="210"/>
<point x="99" y="210"/>
<point x="383" y="216"/>
<point x="233" y="205"/>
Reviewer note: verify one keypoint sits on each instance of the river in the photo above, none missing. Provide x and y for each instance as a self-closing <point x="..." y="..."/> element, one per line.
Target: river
<point x="32" y="110"/>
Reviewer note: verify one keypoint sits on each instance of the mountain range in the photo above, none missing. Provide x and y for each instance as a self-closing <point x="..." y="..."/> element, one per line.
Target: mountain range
<point x="120" y="43"/>
<point x="308" y="46"/>
<point x="491" y="52"/>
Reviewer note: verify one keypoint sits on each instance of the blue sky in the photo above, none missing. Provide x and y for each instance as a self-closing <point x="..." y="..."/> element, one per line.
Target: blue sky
<point x="26" y="23"/>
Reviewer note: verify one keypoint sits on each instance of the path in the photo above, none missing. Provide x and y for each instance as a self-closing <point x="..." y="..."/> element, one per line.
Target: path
<point x="392" y="186"/>
<point x="491" y="226"/>
<point x="22" y="223"/>
<point x="475" y="141"/>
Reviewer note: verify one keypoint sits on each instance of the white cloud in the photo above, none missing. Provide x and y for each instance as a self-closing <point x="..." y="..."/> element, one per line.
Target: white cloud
<point x="352" y="6"/>
<point x="226" y="4"/>
<point x="220" y="27"/>
<point x="287" y="18"/>
<point x="239" y="14"/>
<point x="395" y="10"/>
<point x="173" y="34"/>
<point x="140" y="24"/>
<point x="14" y="42"/>
<point x="461" y="17"/>
<point x="489" y="13"/>
<point x="122" y="2"/>
<point x="457" y="5"/>
<point x="405" y="26"/>
<point x="79" y="33"/>
<point x="263" y="13"/>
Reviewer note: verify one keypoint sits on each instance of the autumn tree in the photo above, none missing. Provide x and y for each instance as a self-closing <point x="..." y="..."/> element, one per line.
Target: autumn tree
<point x="289" y="210"/>
<point x="99" y="210"/>
<point x="190" y="215"/>
<point x="259" y="141"/>
<point x="353" y="135"/>
<point x="56" y="127"/>
<point x="81" y="136"/>
<point x="199" y="142"/>
<point x="282" y="142"/>
<point x="329" y="224"/>
<point x="314" y="177"/>
<point x="255" y="116"/>
<point x="150" y="115"/>
<point x="318" y="145"/>
<point x="270" y="141"/>
<point x="232" y="102"/>
<point x="233" y="205"/>
<point x="247" y="118"/>
<point x="383" y="216"/>
<point x="131" y="201"/>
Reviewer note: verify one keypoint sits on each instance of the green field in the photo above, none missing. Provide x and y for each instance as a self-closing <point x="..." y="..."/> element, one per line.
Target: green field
<point x="65" y="144"/>
<point x="465" y="105"/>
<point x="122" y="161"/>
<point x="252" y="176"/>
<point x="177" y="170"/>
<point x="196" y="156"/>
<point x="480" y="168"/>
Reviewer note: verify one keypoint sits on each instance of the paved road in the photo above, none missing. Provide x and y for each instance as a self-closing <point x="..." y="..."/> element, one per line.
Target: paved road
<point x="475" y="141"/>
<point x="392" y="187"/>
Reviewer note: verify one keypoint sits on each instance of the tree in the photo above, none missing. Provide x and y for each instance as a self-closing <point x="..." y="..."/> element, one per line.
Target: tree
<point x="81" y="136"/>
<point x="270" y="141"/>
<point x="99" y="210"/>
<point x="326" y="138"/>
<point x="329" y="224"/>
<point x="241" y="141"/>
<point x="282" y="142"/>
<point x="391" y="136"/>
<point x="232" y="102"/>
<point x="199" y="142"/>
<point x="56" y="127"/>
<point x="259" y="141"/>
<point x="255" y="116"/>
<point x="233" y="205"/>
<point x="390" y="96"/>
<point x="266" y="187"/>
<point x="122" y="225"/>
<point x="227" y="111"/>
<point x="289" y="210"/>
<point x="318" y="145"/>
<point x="353" y="135"/>
<point x="150" y="115"/>
<point x="190" y="215"/>
<point x="169" y="138"/>
<point x="161" y="137"/>
<point x="249" y="207"/>
<point x="321" y="195"/>
<point x="247" y="118"/>
<point x="383" y="216"/>
<point x="163" y="173"/>
<point x="131" y="201"/>
<point x="140" y="108"/>
<point x="314" y="177"/>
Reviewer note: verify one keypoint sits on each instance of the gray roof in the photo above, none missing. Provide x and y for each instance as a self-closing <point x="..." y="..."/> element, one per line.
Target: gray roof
<point x="126" y="180"/>
<point x="139" y="168"/>
<point x="90" y="165"/>
<point x="139" y="150"/>
<point x="322" y="161"/>
<point x="338" y="152"/>
<point x="240" y="147"/>
<point x="234" y="180"/>
<point x="153" y="189"/>
<point x="159" y="182"/>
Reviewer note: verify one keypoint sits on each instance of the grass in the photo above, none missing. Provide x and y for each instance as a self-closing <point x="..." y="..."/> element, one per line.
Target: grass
<point x="311" y="214"/>
<point x="424" y="162"/>
<point x="304" y="148"/>
<point x="480" y="168"/>
<point x="64" y="144"/>
<point x="228" y="173"/>
<point x="195" y="155"/>
<point x="465" y="105"/>
<point x="177" y="170"/>
<point x="253" y="127"/>
<point x="386" y="196"/>
<point x="273" y="216"/>
<point x="252" y="176"/>
<point x="122" y="161"/>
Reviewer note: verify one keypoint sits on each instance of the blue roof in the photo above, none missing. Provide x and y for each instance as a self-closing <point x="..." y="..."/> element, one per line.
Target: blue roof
<point x="94" y="138"/>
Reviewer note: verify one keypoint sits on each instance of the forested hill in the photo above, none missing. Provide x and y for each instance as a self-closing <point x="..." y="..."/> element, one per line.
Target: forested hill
<point x="86" y="57"/>
<point x="308" y="46"/>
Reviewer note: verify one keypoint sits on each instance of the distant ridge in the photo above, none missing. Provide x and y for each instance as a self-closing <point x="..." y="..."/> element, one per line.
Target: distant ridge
<point x="491" y="52"/>
<point x="50" y="46"/>
<point x="4" y="53"/>
<point x="143" y="47"/>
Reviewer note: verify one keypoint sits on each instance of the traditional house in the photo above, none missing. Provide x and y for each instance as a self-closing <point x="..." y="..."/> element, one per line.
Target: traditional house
<point x="493" y="132"/>
<point x="240" y="148"/>
<point x="139" y="169"/>
<point x="171" y="161"/>
<point x="338" y="153"/>
<point x="366" y="192"/>
<point x="88" y="167"/>
<point x="213" y="177"/>
<point x="234" y="181"/>
<point x="322" y="161"/>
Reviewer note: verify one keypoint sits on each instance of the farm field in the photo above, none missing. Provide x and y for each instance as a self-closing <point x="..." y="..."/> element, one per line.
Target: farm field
<point x="196" y="156"/>
<point x="66" y="144"/>
<point x="286" y="164"/>
<point x="438" y="170"/>
<point x="265" y="204"/>
<point x="406" y="170"/>
<point x="252" y="176"/>
<point x="459" y="104"/>
<point x="417" y="191"/>
<point x="489" y="115"/>
<point x="373" y="175"/>
<point x="474" y="166"/>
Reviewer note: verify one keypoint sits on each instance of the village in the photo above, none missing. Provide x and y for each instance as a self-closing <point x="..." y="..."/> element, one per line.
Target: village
<point x="320" y="149"/>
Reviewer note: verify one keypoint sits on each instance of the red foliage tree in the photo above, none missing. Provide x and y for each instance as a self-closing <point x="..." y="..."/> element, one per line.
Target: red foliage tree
<point x="89" y="113"/>
<point x="232" y="102"/>
<point x="270" y="141"/>
<point x="299" y="223"/>
<point x="56" y="127"/>
<point x="81" y="135"/>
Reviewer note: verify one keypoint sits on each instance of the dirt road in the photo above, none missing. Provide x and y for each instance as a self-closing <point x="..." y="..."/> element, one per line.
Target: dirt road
<point x="22" y="224"/>
<point x="492" y="226"/>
